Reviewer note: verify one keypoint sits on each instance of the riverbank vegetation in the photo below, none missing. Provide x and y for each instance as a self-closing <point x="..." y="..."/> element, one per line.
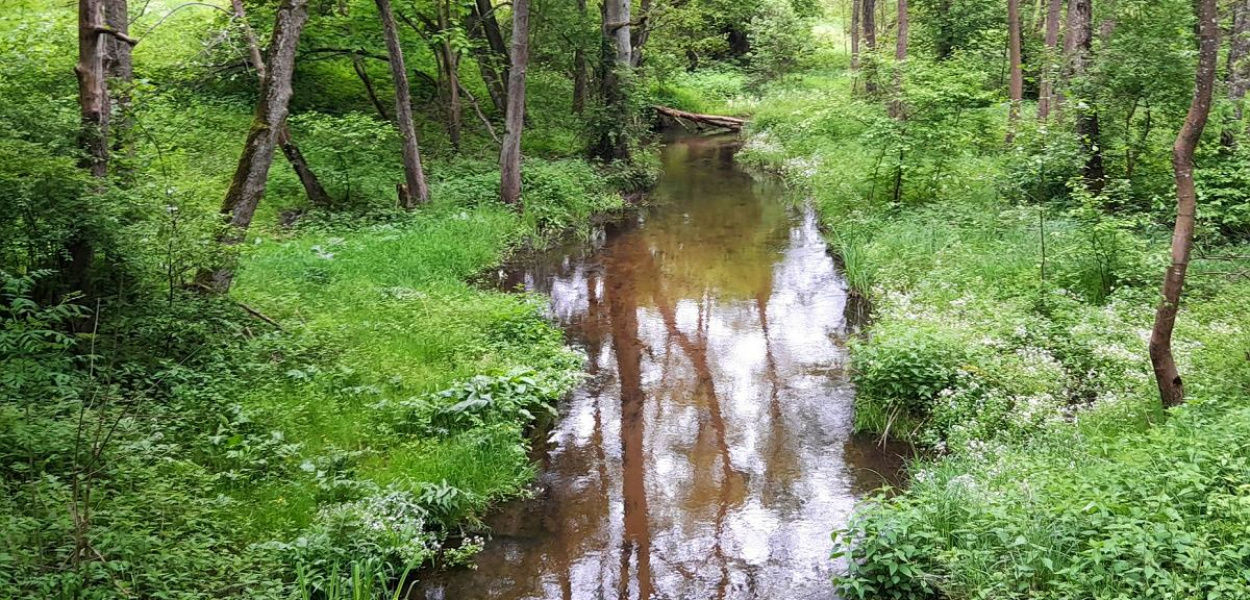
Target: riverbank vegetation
<point x="224" y="377"/>
<point x="1014" y="261"/>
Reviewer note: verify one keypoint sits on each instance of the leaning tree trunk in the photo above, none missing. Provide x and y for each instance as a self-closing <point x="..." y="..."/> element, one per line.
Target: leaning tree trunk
<point x="358" y="65"/>
<point x="510" y="155"/>
<point x="897" y="109"/>
<point x="248" y="186"/>
<point x="1238" y="69"/>
<point x="855" y="8"/>
<point x="414" y="190"/>
<point x="486" y="59"/>
<point x="1078" y="47"/>
<point x="1016" y="91"/>
<point x="1046" y="95"/>
<point x="1167" y="376"/>
<point x="868" y="21"/>
<point x="316" y="193"/>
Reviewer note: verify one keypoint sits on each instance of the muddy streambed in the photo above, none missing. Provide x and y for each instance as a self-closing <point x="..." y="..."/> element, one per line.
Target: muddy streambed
<point x="709" y="454"/>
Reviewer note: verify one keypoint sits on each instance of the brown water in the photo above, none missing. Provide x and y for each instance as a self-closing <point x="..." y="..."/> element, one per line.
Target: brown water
<point x="709" y="455"/>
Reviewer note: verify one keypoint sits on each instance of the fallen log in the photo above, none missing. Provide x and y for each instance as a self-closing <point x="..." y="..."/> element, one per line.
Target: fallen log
<point x="681" y="116"/>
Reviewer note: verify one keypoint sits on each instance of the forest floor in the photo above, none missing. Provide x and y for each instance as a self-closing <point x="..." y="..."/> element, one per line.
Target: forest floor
<point x="1009" y="338"/>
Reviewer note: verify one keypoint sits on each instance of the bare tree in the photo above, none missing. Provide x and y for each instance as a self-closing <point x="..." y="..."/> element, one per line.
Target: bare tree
<point x="510" y="155"/>
<point x="248" y="185"/>
<point x="1046" y="95"/>
<point x="1167" y="376"/>
<point x="414" y="190"/>
<point x="1016" y="92"/>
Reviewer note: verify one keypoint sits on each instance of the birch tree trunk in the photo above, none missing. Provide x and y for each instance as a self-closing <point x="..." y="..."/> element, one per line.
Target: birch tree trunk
<point x="248" y="186"/>
<point x="414" y="190"/>
<point x="510" y="155"/>
<point x="1167" y="376"/>
<point x="1046" y="95"/>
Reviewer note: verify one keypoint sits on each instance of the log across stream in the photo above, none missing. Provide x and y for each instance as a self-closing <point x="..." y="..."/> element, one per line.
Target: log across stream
<point x="710" y="453"/>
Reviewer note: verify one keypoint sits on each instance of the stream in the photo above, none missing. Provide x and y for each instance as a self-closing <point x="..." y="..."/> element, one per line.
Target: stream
<point x="709" y="454"/>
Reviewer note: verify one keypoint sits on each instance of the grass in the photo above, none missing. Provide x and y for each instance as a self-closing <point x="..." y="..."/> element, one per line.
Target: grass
<point x="1007" y="338"/>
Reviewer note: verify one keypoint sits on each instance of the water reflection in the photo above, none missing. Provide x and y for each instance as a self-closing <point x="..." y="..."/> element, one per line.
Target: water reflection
<point x="710" y="454"/>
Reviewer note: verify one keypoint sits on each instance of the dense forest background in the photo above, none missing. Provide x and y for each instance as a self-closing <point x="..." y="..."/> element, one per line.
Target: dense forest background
<point x="221" y="377"/>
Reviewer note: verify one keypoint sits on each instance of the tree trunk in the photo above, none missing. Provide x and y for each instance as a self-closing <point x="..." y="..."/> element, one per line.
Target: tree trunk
<point x="1167" y="376"/>
<point x="868" y="21"/>
<point x="93" y="97"/>
<point x="358" y="65"/>
<point x="855" y="8"/>
<point x="1046" y="95"/>
<point x="1238" y="68"/>
<point x="93" y="104"/>
<point x="612" y="143"/>
<point x="510" y="155"/>
<point x="119" y="67"/>
<point x="1078" y="47"/>
<point x="313" y="190"/>
<point x="485" y="12"/>
<point x="640" y="32"/>
<point x="415" y="190"/>
<point x="316" y="193"/>
<point x="248" y="185"/>
<point x="486" y="61"/>
<point x="1016" y="92"/>
<point x="897" y="109"/>
<point x="451" y="68"/>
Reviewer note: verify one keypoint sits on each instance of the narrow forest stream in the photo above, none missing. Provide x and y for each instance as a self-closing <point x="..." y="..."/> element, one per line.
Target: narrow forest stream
<point x="709" y="454"/>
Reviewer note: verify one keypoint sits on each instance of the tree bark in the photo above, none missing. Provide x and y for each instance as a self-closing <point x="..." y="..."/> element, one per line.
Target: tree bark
<point x="640" y="31"/>
<point x="93" y="134"/>
<point x="1238" y="68"/>
<point x="358" y="65"/>
<point x="248" y="186"/>
<point x="119" y="67"/>
<point x="1046" y="95"/>
<point x="855" y="8"/>
<point x="897" y="109"/>
<point x="1167" y="376"/>
<point x="1078" y="48"/>
<point x="510" y="154"/>
<point x="316" y="193"/>
<point x="496" y="55"/>
<point x="486" y="61"/>
<point x="612" y="142"/>
<point x="1016" y="91"/>
<point x="451" y="70"/>
<point x="414" y="190"/>
<point x="868" y="21"/>
<point x="93" y="96"/>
